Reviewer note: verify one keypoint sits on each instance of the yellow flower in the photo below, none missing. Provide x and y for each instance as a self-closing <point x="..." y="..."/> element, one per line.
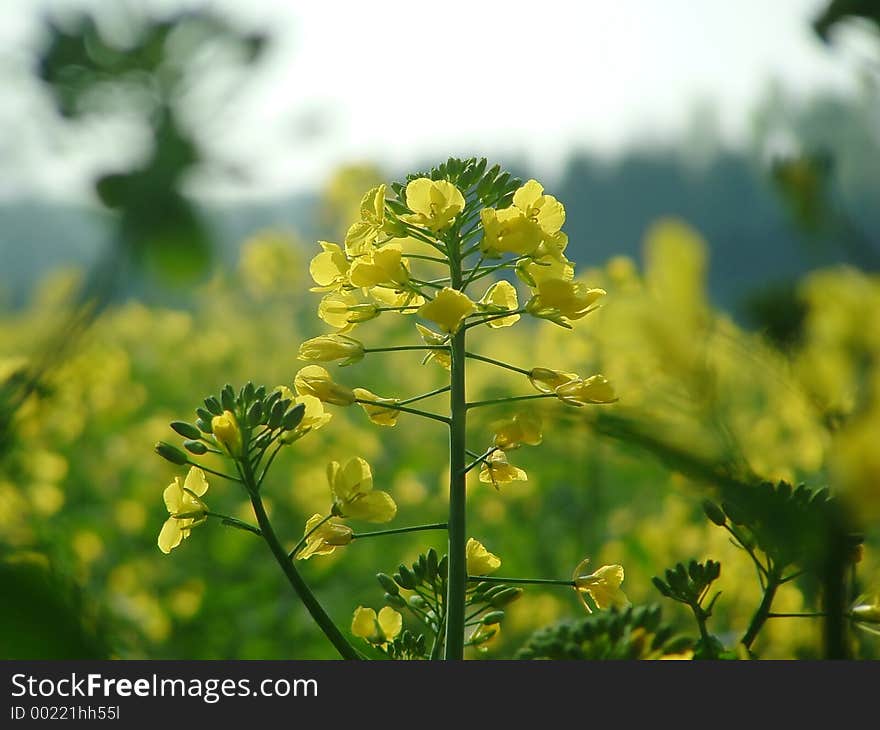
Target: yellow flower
<point x="532" y="271"/>
<point x="316" y="381"/>
<point x="379" y="629"/>
<point x="343" y="310"/>
<point x="329" y="269"/>
<point x="512" y="433"/>
<point x="378" y="411"/>
<point x="508" y="230"/>
<point x="500" y="297"/>
<point x="397" y="298"/>
<point x="594" y="390"/>
<point x="479" y="560"/>
<point x="547" y="381"/>
<point x="547" y="213"/>
<point x="570" y="299"/>
<point x="314" y="416"/>
<point x="529" y="227"/>
<point x="603" y="586"/>
<point x="448" y="309"/>
<point x="496" y="470"/>
<point x="325" y="539"/>
<point x="353" y="494"/>
<point x="434" y="203"/>
<point x="383" y="267"/>
<point x="186" y="508"/>
<point x="326" y="348"/>
<point x="363" y="234"/>
<point x="429" y="337"/>
<point x="227" y="433"/>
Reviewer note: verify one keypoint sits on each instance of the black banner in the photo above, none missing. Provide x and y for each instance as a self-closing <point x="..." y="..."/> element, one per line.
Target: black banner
<point x="135" y="693"/>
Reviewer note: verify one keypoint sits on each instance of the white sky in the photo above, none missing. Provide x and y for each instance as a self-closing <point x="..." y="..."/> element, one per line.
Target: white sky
<point x="405" y="82"/>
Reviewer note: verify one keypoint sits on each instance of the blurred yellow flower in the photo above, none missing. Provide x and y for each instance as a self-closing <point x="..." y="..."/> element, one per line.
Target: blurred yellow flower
<point x="316" y="381"/>
<point x="353" y="494"/>
<point x="378" y="411"/>
<point x="323" y="539"/>
<point x="326" y="348"/>
<point x="434" y="203"/>
<point x="381" y="267"/>
<point x="363" y="234"/>
<point x="448" y="309"/>
<point x="187" y="510"/>
<point x="603" y="586"/>
<point x="496" y="470"/>
<point x="479" y="560"/>
<point x="227" y="433"/>
<point x="500" y="297"/>
<point x="379" y="629"/>
<point x="570" y="299"/>
<point x="429" y="337"/>
<point x="329" y="269"/>
<point x="547" y="381"/>
<point x="523" y="428"/>
<point x="594" y="390"/>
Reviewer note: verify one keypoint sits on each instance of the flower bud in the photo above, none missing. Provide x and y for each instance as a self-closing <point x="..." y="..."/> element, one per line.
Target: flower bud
<point x="171" y="453"/>
<point x="227" y="433"/>
<point x="187" y="430"/>
<point x="195" y="447"/>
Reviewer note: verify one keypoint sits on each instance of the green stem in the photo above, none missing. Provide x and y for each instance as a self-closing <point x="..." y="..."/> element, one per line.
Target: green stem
<point x="405" y="348"/>
<point x="509" y="399"/>
<point x="506" y="366"/>
<point x="500" y="315"/>
<point x="479" y="459"/>
<point x="403" y="409"/>
<point x="457" y="582"/>
<point x="232" y="522"/>
<point x="423" y="396"/>
<point x="317" y="612"/>
<point x="816" y="614"/>
<point x="472" y="273"/>
<point x="535" y="581"/>
<point x="763" y="611"/>
<point x="211" y="471"/>
<point x="425" y="258"/>
<point x="400" y="530"/>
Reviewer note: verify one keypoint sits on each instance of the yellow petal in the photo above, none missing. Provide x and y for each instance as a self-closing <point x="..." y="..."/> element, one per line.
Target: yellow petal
<point x="363" y="624"/>
<point x="170" y="535"/>
<point x="196" y="482"/>
<point x="374" y="506"/>
<point x="479" y="560"/>
<point x="391" y="623"/>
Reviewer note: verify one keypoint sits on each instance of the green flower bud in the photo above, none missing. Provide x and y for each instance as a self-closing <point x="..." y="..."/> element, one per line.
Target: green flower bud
<point x="293" y="417"/>
<point x="714" y="513"/>
<point x="255" y="413"/>
<point x="213" y="406"/>
<point x="171" y="453"/>
<point x="493" y="617"/>
<point x="395" y="601"/>
<point x="187" y="430"/>
<point x="505" y="597"/>
<point x="195" y="447"/>
<point x="227" y="398"/>
<point x="388" y="584"/>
